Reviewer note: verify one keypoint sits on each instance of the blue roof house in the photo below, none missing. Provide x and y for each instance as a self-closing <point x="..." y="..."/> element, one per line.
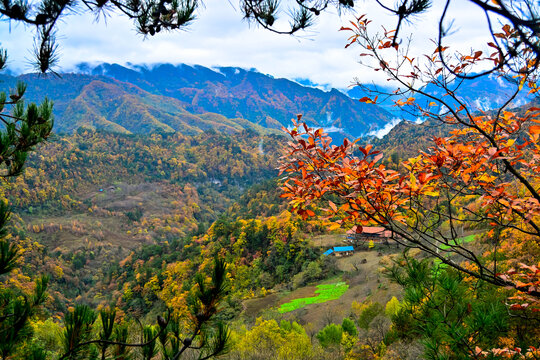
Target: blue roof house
<point x="340" y="251"/>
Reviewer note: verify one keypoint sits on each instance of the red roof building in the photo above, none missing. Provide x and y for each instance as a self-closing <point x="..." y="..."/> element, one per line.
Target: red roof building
<point x="373" y="231"/>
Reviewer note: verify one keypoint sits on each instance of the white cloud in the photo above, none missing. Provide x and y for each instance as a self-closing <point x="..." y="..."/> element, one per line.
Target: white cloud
<point x="219" y="37"/>
<point x="380" y="133"/>
<point x="333" y="129"/>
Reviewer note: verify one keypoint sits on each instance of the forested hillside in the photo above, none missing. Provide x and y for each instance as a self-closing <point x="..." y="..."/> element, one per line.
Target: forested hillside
<point x="98" y="102"/>
<point x="80" y="165"/>
<point x="91" y="197"/>
<point x="236" y="92"/>
<point x="128" y="220"/>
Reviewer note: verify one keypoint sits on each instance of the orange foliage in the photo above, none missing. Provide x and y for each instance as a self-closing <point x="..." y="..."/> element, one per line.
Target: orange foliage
<point x="485" y="174"/>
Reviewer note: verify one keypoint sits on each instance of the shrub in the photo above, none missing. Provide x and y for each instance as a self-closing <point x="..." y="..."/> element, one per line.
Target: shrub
<point x="330" y="335"/>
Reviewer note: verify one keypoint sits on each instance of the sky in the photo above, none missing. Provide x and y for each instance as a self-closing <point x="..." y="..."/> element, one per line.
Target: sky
<point x="219" y="37"/>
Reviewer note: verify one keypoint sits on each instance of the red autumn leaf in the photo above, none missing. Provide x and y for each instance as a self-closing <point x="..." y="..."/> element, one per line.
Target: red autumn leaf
<point x="333" y="206"/>
<point x="535" y="129"/>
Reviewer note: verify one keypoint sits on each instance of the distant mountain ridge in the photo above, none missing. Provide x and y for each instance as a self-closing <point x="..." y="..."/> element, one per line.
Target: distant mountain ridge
<point x="248" y="94"/>
<point x="103" y="103"/>
<point x="479" y="94"/>
<point x="191" y="99"/>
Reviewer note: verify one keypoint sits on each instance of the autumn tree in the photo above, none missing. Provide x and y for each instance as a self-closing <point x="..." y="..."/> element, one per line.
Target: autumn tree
<point x="484" y="175"/>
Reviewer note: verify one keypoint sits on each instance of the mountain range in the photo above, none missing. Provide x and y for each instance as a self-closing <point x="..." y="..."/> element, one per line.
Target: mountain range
<point x="191" y="99"/>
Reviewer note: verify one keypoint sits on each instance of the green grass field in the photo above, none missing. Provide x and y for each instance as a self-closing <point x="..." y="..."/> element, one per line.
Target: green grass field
<point x="460" y="241"/>
<point x="325" y="293"/>
<point x="439" y="264"/>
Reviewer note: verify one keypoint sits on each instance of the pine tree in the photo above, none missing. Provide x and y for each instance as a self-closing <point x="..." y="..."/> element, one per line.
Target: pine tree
<point x="23" y="128"/>
<point x="170" y="338"/>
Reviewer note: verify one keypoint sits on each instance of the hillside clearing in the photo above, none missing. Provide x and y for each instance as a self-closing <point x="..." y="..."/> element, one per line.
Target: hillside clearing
<point x="326" y="292"/>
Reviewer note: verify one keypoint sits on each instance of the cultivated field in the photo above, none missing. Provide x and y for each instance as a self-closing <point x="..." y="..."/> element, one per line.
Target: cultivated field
<point x="361" y="272"/>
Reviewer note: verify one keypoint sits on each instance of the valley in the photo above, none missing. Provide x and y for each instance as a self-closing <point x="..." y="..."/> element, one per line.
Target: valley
<point x="158" y="177"/>
<point x="118" y="218"/>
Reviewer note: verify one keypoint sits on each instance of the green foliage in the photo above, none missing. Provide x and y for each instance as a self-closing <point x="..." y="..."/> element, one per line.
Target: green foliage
<point x="326" y="292"/>
<point x="78" y="260"/>
<point x="369" y="312"/>
<point x="17" y="308"/>
<point x="212" y="335"/>
<point x="392" y="307"/>
<point x="46" y="335"/>
<point x="120" y="350"/>
<point x="135" y="215"/>
<point x="260" y="200"/>
<point x="84" y="338"/>
<point x="330" y="336"/>
<point x="107" y="317"/>
<point x="312" y="272"/>
<point x="149" y="350"/>
<point x="37" y="353"/>
<point x="449" y="313"/>
<point x="460" y="241"/>
<point x="14" y="326"/>
<point x="9" y="253"/>
<point x="77" y="330"/>
<point x="268" y="340"/>
<point x="22" y="129"/>
<point x="348" y="326"/>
